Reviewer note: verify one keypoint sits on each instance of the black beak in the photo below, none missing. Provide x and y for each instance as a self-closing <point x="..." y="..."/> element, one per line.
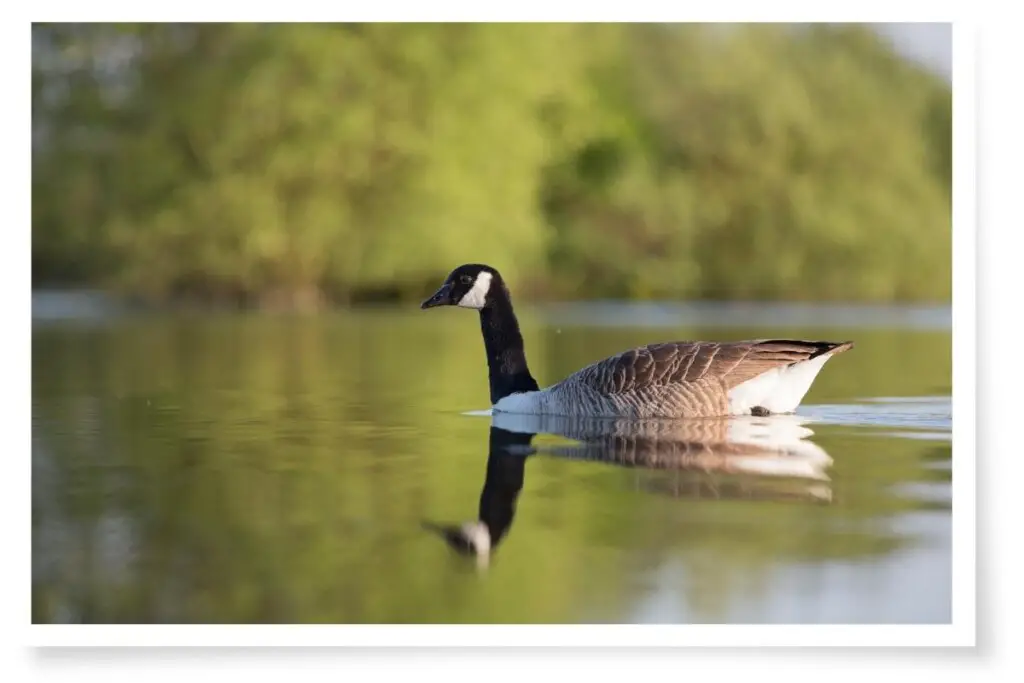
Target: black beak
<point x="440" y="297"/>
<point x="452" y="535"/>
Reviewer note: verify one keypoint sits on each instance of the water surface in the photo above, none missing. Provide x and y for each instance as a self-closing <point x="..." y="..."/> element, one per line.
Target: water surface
<point x="241" y="468"/>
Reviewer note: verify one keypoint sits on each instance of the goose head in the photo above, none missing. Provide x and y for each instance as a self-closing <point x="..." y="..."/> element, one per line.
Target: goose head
<point x="472" y="285"/>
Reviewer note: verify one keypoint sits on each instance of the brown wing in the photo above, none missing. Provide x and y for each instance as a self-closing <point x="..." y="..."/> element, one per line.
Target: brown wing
<point x="679" y="362"/>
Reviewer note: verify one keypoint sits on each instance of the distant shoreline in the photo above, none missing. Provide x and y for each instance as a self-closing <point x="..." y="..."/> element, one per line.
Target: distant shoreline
<point x="67" y="303"/>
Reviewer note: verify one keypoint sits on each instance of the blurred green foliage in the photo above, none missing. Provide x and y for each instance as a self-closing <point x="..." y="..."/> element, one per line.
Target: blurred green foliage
<point x="300" y="163"/>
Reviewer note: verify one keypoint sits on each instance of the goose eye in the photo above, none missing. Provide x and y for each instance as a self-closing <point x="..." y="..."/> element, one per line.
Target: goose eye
<point x="466" y="280"/>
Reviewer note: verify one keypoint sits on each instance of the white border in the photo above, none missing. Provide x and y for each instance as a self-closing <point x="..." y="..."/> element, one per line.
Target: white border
<point x="474" y="635"/>
<point x="961" y="632"/>
<point x="964" y="318"/>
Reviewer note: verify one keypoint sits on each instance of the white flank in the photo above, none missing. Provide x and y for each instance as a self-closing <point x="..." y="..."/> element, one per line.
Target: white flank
<point x="477" y="296"/>
<point x="779" y="390"/>
<point x="526" y="403"/>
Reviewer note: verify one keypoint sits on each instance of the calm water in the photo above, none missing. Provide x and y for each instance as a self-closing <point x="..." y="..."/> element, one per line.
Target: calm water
<point x="270" y="468"/>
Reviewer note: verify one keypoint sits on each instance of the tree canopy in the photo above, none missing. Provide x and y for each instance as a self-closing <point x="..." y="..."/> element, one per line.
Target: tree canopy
<point x="312" y="162"/>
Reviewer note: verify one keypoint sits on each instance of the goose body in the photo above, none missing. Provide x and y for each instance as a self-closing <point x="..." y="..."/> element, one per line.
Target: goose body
<point x="676" y="379"/>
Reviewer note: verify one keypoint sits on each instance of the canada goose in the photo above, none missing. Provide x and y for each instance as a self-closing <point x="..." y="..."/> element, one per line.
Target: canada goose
<point x="670" y="379"/>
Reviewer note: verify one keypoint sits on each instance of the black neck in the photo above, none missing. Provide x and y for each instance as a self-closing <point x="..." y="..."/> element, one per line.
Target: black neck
<point x="506" y="464"/>
<point x="506" y="357"/>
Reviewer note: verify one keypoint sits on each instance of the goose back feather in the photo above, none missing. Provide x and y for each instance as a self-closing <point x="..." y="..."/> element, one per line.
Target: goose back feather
<point x="694" y="379"/>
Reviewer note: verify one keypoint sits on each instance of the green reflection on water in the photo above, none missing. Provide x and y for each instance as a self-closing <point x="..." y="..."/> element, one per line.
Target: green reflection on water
<point x="237" y="468"/>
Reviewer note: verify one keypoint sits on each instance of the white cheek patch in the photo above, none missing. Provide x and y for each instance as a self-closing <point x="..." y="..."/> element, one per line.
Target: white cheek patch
<point x="477" y="296"/>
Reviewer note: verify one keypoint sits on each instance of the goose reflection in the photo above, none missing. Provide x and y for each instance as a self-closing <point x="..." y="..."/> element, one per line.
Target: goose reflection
<point x="506" y="461"/>
<point x="766" y="458"/>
